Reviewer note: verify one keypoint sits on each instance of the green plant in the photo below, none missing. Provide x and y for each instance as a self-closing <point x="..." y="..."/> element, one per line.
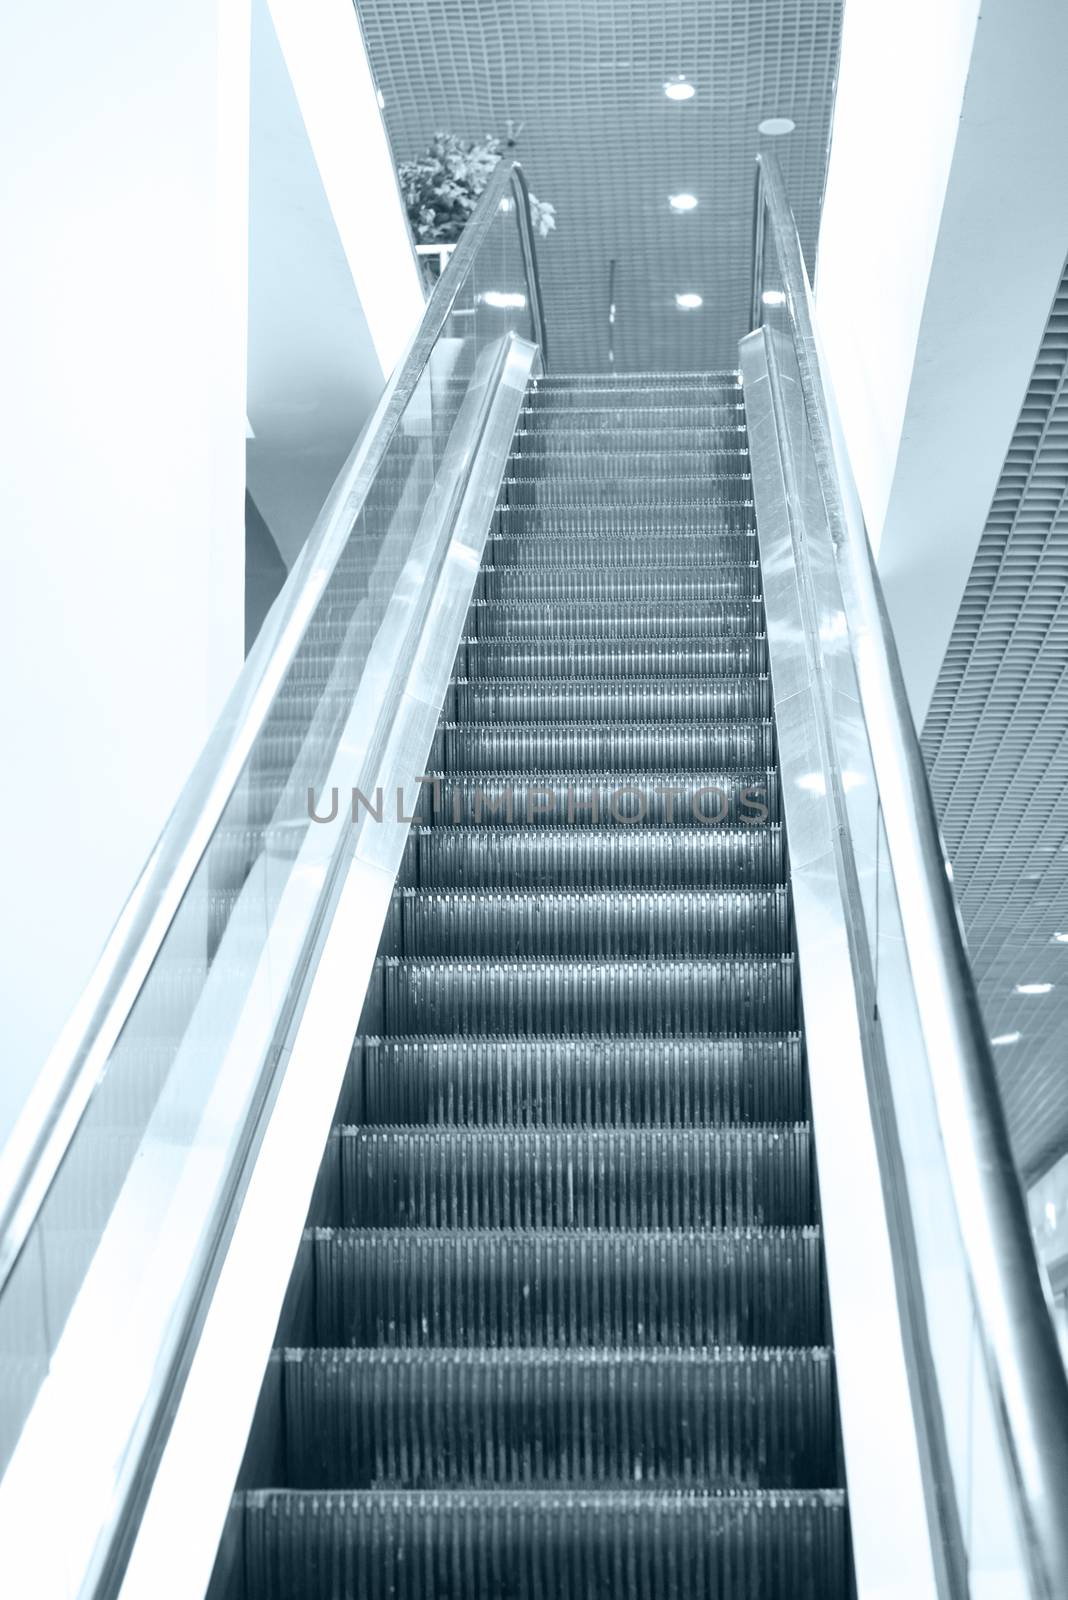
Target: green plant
<point x="441" y="187"/>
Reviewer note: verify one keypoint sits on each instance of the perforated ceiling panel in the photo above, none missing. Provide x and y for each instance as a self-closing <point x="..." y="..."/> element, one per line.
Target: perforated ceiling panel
<point x="996" y="741"/>
<point x="604" y="144"/>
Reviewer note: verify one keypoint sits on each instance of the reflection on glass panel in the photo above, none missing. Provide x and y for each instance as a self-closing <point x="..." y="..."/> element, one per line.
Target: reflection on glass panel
<point x="165" y="1126"/>
<point x="964" y="1415"/>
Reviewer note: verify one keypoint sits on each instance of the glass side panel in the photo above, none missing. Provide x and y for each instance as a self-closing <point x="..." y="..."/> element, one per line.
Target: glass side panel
<point x="129" y="1217"/>
<point x="961" y="1409"/>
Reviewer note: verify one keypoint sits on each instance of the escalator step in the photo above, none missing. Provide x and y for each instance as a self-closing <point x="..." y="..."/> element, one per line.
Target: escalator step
<point x="622" y="388"/>
<point x="709" y="516"/>
<point x="425" y="1419"/>
<point x="699" y="656"/>
<point x="590" y="467"/>
<point x="672" y="431"/>
<point x="659" y="999"/>
<point x="695" y="547"/>
<point x="634" y="746"/>
<point x="575" y="1177"/>
<point x="681" y="489"/>
<point x="590" y="619"/>
<point x="590" y="923"/>
<point x="530" y="1545"/>
<point x="612" y="856"/>
<point x="650" y="700"/>
<point x="627" y="799"/>
<point x="653" y="409"/>
<point x="647" y="584"/>
<point x="508" y="1290"/>
<point x="589" y="1082"/>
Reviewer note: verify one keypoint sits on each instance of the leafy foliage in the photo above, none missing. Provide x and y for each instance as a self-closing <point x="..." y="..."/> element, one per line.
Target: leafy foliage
<point x="441" y="187"/>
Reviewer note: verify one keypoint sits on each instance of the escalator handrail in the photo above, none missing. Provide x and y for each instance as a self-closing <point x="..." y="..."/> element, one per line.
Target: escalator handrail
<point x="1010" y="1303"/>
<point x="32" y="1155"/>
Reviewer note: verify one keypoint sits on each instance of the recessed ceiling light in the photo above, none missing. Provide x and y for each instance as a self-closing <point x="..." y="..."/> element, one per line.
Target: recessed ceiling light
<point x="682" y="202"/>
<point x="773" y="297"/>
<point x="1033" y="988"/>
<point x="775" y="127"/>
<point x="1059" y="938"/>
<point x="679" y="89"/>
<point x="688" y="302"/>
<point x="502" y="301"/>
<point x="1005" y="1038"/>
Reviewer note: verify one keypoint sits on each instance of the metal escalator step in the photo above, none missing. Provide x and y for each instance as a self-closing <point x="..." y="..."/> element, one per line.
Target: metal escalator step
<point x="591" y="466"/>
<point x="608" y="1290"/>
<point x="631" y="746"/>
<point x="668" y="699"/>
<point x="628" y="799"/>
<point x="591" y="923"/>
<point x="673" y="429"/>
<point x="576" y="1177"/>
<point x="592" y="619"/>
<point x="695" y="547"/>
<point x="612" y="856"/>
<point x="646" y="583"/>
<point x="424" y="1419"/>
<point x="561" y="387"/>
<point x="530" y="1545"/>
<point x="681" y="489"/>
<point x="698" y="656"/>
<point x="500" y="1082"/>
<point x="602" y="417"/>
<point x="657" y="998"/>
<point x="594" y="522"/>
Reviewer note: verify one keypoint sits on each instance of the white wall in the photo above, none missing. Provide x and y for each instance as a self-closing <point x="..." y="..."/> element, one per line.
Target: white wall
<point x="323" y="47"/>
<point x="943" y="238"/>
<point x="318" y="355"/>
<point x="900" y="86"/>
<point x="123" y="280"/>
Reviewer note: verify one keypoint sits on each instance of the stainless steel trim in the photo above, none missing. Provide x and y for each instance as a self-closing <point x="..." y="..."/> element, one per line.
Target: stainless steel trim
<point x="32" y="1156"/>
<point x="530" y="261"/>
<point x="900" y="1557"/>
<point x="1019" y="1344"/>
<point x="758" y="249"/>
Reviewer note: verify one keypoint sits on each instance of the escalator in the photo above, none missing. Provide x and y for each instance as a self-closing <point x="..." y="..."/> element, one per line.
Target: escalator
<point x="531" y="1133"/>
<point x="559" y="1327"/>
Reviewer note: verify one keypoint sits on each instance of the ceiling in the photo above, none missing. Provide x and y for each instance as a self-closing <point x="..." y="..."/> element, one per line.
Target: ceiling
<point x="601" y="141"/>
<point x="996" y="743"/>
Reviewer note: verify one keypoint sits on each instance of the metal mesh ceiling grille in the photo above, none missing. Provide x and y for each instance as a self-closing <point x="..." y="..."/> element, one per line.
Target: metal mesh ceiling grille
<point x="605" y="145"/>
<point x="996" y="741"/>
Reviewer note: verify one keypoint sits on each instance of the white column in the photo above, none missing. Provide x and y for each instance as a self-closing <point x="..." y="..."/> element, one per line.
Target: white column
<point x="123" y="292"/>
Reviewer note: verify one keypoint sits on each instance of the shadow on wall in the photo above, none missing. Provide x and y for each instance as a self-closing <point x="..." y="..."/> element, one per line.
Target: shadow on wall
<point x="265" y="571"/>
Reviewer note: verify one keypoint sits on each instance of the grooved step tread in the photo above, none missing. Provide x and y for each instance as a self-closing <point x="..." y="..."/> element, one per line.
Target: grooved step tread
<point x="628" y="798"/>
<point x="434" y="1418"/>
<point x="635" y="746"/>
<point x="551" y="1289"/>
<point x="696" y="656"/>
<point x="590" y="1082"/>
<point x="590" y="923"/>
<point x="637" y="1544"/>
<point x="485" y="699"/>
<point x="607" y="856"/>
<point x="575" y="1177"/>
<point x="655" y="998"/>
